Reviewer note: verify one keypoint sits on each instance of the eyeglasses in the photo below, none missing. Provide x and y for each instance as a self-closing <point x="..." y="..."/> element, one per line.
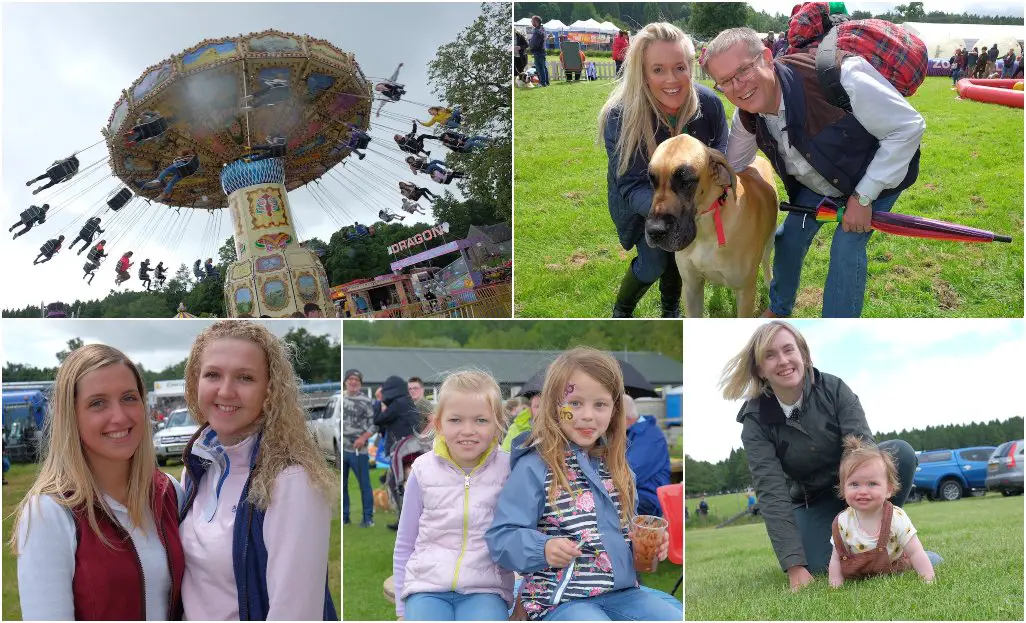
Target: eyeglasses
<point x="742" y="75"/>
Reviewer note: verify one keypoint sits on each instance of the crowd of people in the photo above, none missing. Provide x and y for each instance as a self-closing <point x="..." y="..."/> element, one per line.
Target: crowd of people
<point x="975" y="64"/>
<point x="581" y="432"/>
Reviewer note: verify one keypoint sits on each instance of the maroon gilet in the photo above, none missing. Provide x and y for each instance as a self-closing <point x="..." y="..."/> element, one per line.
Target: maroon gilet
<point x="108" y="582"/>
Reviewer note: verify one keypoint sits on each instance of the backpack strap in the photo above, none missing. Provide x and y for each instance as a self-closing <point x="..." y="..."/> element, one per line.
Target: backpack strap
<point x="828" y="71"/>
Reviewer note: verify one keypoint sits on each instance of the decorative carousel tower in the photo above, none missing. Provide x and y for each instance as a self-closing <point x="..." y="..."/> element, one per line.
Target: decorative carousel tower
<point x="273" y="276"/>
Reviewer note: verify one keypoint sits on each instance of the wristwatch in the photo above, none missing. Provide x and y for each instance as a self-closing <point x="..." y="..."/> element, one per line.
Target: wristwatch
<point x="863" y="200"/>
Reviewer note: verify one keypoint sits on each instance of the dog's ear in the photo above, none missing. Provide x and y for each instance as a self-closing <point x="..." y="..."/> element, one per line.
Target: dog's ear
<point x="723" y="175"/>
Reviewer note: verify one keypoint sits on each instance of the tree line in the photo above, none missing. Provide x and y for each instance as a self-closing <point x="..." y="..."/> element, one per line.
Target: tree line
<point x="731" y="474"/>
<point x="705" y="19"/>
<point x="317" y="360"/>
<point x="641" y="335"/>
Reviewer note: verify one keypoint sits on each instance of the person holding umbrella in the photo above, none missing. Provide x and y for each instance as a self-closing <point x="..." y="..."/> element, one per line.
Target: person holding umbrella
<point x="794" y="421"/>
<point x="864" y="155"/>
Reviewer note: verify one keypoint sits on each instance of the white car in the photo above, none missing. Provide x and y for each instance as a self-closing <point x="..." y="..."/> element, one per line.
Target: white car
<point x="169" y="442"/>
<point x="326" y="427"/>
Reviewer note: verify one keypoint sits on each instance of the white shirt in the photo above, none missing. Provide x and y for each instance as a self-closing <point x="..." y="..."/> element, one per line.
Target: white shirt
<point x="789" y="409"/>
<point x="881" y="110"/>
<point x="297" y="528"/>
<point x="46" y="563"/>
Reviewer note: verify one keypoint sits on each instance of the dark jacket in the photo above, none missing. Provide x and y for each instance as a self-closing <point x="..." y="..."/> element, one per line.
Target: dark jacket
<point x="401" y="418"/>
<point x="649" y="458"/>
<point x="538" y="40"/>
<point x="795" y="460"/>
<point x="831" y="139"/>
<point x="630" y="195"/>
<point x="992" y="53"/>
<point x="108" y="584"/>
<point x="249" y="552"/>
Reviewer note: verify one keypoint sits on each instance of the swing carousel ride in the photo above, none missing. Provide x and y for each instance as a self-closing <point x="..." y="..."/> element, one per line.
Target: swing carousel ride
<point x="237" y="123"/>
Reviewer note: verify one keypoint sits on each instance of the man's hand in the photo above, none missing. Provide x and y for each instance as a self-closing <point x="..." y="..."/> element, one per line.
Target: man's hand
<point x="857" y="217"/>
<point x="799" y="577"/>
<point x="560" y="552"/>
<point x="359" y="443"/>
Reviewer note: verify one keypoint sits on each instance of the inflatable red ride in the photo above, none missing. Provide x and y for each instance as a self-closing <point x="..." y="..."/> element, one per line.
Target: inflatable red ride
<point x="993" y="91"/>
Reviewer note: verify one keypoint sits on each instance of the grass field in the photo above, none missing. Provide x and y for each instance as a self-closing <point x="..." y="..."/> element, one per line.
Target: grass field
<point x="367" y="561"/>
<point x="732" y="573"/>
<point x="20" y="478"/>
<point x="570" y="263"/>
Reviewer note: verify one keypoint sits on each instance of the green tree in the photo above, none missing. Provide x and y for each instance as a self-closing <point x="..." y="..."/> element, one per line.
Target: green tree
<point x="317" y="357"/>
<point x="475" y="73"/>
<point x="710" y="18"/>
<point x="226" y="254"/>
<point x="583" y="11"/>
<point x="73" y="344"/>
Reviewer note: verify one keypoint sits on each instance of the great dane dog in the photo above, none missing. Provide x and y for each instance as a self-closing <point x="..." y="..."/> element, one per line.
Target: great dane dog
<point x="719" y="224"/>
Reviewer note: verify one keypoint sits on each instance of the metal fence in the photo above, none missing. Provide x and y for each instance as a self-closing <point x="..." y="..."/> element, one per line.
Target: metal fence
<point x="493" y="301"/>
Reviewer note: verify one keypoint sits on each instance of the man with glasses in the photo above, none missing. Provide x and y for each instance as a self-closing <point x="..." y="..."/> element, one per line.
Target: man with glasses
<point x="864" y="157"/>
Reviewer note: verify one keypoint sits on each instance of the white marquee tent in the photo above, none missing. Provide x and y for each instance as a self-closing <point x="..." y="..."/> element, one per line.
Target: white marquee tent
<point x="942" y="39"/>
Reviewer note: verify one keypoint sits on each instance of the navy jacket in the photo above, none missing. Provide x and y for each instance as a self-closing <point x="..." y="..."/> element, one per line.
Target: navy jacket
<point x="538" y="40"/>
<point x="401" y="417"/>
<point x="630" y="195"/>
<point x="649" y="458"/>
<point x="249" y="552"/>
<point x="831" y="139"/>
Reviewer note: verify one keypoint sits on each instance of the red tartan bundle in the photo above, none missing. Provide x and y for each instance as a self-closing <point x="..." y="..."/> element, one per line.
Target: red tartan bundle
<point x="897" y="54"/>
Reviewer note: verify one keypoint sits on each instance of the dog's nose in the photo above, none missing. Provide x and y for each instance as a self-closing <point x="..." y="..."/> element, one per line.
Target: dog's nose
<point x="659" y="226"/>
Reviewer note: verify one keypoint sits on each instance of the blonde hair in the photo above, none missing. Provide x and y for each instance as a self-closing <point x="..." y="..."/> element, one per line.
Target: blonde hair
<point x="473" y="382"/>
<point x="639" y="112"/>
<point x="740" y="377"/>
<point x="65" y="474"/>
<point x="286" y="440"/>
<point x="858" y="452"/>
<point x="552" y="442"/>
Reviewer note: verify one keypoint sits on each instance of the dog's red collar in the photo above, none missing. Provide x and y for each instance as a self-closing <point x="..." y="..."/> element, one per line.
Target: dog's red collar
<point x="717" y="217"/>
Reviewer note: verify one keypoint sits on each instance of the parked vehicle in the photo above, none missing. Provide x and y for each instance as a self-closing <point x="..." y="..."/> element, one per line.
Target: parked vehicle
<point x="169" y="442"/>
<point x="1004" y="469"/>
<point x="326" y="427"/>
<point x="951" y="474"/>
<point x="23" y="415"/>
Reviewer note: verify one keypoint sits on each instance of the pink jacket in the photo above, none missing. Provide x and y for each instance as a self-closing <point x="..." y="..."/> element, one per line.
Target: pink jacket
<point x="450" y="552"/>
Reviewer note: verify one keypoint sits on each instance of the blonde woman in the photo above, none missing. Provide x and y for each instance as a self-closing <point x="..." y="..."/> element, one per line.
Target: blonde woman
<point x="654" y="99"/>
<point x="258" y="493"/>
<point x="97" y="534"/>
<point x="563" y="516"/>
<point x="794" y="422"/>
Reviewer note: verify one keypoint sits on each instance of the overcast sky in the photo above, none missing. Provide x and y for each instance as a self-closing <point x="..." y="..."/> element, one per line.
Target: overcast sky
<point x="154" y="343"/>
<point x="979" y="8"/>
<point x="65" y="65"/>
<point x="906" y="373"/>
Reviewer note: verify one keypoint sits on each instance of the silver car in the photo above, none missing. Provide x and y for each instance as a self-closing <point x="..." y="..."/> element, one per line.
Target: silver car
<point x="169" y="442"/>
<point x="1004" y="470"/>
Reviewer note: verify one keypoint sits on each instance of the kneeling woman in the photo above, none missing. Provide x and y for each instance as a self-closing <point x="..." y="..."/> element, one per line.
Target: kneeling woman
<point x="258" y="492"/>
<point x="97" y="535"/>
<point x="654" y="100"/>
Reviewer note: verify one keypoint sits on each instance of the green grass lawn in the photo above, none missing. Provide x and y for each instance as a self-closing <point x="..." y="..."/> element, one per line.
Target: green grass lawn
<point x="20" y="479"/>
<point x="367" y="561"/>
<point x="570" y="263"/>
<point x="732" y="573"/>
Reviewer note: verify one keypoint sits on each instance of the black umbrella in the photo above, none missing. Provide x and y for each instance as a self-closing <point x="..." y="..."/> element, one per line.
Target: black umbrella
<point x="634" y="383"/>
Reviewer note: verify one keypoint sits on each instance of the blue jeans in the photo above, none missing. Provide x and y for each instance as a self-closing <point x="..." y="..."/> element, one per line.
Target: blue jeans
<point x="170" y="171"/>
<point x="650" y="263"/>
<point x="815" y="519"/>
<point x="455" y="607"/>
<point x="955" y="75"/>
<point x="476" y="141"/>
<point x="435" y="165"/>
<point x="845" y="289"/>
<point x="359" y="463"/>
<point x="629" y="604"/>
<point x="542" y="67"/>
